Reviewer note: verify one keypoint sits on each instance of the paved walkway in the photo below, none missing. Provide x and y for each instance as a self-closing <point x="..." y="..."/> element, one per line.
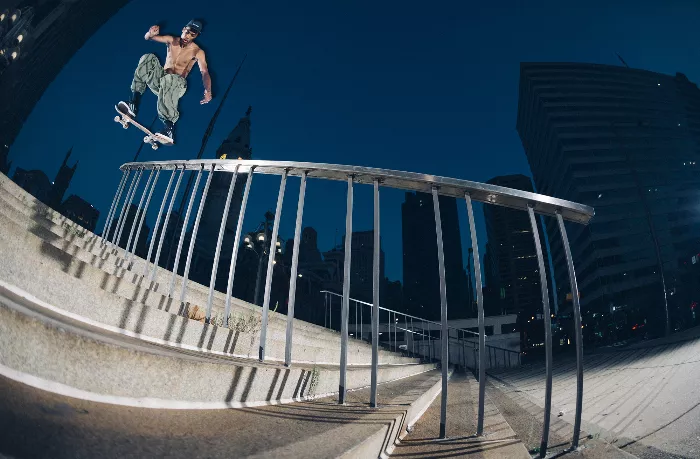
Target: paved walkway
<point x="499" y="440"/>
<point x="645" y="401"/>
<point x="34" y="423"/>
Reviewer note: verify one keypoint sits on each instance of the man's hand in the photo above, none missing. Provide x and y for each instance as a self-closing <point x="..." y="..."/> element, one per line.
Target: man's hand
<point x="154" y="31"/>
<point x="207" y="97"/>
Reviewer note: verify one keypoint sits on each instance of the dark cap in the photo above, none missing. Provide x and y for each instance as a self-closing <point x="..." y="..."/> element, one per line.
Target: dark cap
<point x="195" y="26"/>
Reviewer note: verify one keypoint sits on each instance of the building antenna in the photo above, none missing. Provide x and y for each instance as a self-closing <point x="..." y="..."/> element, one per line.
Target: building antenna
<point x="205" y="139"/>
<point x="622" y="60"/>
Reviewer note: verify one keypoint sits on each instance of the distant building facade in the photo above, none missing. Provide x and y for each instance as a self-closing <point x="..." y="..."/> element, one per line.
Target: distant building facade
<point x="81" y="212"/>
<point x="34" y="182"/>
<point x="57" y="30"/>
<point x="421" y="282"/>
<point x="235" y="146"/>
<point x="624" y="141"/>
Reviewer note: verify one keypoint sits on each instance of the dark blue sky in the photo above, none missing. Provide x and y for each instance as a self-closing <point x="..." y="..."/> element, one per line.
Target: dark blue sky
<point x="420" y="86"/>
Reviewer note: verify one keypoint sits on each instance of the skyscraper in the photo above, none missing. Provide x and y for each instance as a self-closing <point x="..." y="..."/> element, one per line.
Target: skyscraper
<point x="235" y="146"/>
<point x="421" y="282"/>
<point x="57" y="30"/>
<point x="511" y="265"/>
<point x="624" y="141"/>
<point x="81" y="212"/>
<point x="61" y="183"/>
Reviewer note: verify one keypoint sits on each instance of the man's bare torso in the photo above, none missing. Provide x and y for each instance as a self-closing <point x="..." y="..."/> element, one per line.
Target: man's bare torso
<point x="181" y="59"/>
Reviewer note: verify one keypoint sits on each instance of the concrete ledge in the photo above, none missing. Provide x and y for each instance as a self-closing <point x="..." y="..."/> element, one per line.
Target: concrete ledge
<point x="124" y="370"/>
<point x="113" y="301"/>
<point x="316" y="341"/>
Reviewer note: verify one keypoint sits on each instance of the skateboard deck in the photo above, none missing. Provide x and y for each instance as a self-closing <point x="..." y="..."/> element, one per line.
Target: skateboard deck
<point x="125" y="119"/>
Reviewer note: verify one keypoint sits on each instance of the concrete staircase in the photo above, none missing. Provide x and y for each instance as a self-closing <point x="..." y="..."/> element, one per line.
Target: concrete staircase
<point x="82" y="331"/>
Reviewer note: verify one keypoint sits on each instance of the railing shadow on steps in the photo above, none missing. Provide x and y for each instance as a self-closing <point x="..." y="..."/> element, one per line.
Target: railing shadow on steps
<point x="232" y="170"/>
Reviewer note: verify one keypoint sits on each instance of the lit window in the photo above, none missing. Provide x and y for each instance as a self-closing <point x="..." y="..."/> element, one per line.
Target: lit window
<point x="658" y="84"/>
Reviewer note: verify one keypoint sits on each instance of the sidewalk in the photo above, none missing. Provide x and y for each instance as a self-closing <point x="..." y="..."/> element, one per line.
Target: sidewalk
<point x="499" y="440"/>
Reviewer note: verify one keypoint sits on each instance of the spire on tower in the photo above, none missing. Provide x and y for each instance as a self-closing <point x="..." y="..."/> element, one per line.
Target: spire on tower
<point x="237" y="144"/>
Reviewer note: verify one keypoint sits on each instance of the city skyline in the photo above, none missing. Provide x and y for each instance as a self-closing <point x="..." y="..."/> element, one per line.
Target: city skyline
<point x="343" y="102"/>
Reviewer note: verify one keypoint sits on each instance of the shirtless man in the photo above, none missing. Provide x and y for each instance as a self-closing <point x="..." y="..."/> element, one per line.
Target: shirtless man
<point x="169" y="82"/>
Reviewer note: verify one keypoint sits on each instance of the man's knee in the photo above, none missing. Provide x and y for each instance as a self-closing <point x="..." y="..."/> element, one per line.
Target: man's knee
<point x="147" y="58"/>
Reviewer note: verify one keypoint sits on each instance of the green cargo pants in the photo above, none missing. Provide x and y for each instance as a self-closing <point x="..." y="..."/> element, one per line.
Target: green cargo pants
<point x="169" y="88"/>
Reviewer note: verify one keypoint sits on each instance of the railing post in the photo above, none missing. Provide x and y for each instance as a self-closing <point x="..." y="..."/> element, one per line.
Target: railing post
<point x="193" y="239"/>
<point x="113" y="207"/>
<point x="375" y="299"/>
<point x="344" y="312"/>
<point x="480" y="312"/>
<point x="125" y="208"/>
<point x="293" y="274"/>
<point x="165" y="223"/>
<point x="130" y="256"/>
<point x="157" y="225"/>
<point x="579" y="334"/>
<point x="270" y="266"/>
<point x="220" y="241"/>
<point x="444" y="333"/>
<point x="234" y="253"/>
<point x="183" y="232"/>
<point x="137" y="217"/>
<point x="547" y="332"/>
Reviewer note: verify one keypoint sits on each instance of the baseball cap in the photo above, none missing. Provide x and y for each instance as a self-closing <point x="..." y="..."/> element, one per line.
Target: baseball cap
<point x="195" y="26"/>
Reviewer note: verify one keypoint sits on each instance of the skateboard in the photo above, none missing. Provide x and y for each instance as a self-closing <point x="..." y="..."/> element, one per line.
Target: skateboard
<point x="124" y="119"/>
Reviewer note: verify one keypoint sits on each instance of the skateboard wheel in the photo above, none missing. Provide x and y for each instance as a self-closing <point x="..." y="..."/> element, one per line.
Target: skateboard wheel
<point x="125" y="125"/>
<point x="117" y="119"/>
<point x="154" y="146"/>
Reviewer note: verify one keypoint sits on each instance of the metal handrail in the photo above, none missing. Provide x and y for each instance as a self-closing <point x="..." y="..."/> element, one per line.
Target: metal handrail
<point x="436" y="186"/>
<point x="410" y="181"/>
<point x="401" y="313"/>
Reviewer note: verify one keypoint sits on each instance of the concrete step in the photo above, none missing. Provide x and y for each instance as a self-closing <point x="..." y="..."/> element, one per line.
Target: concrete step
<point x="45" y="424"/>
<point x="498" y="441"/>
<point x="34" y="216"/>
<point x="135" y="305"/>
<point x="68" y="355"/>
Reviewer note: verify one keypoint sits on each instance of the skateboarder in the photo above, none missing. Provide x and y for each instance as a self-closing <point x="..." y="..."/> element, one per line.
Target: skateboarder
<point x="169" y="82"/>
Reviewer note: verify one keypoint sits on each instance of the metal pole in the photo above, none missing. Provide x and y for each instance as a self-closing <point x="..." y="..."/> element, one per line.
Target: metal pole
<point x="155" y="228"/>
<point x="444" y="364"/>
<point x="143" y="218"/>
<point x="205" y="139"/>
<point x="183" y="232"/>
<point x="115" y="201"/>
<point x="547" y="332"/>
<point x="480" y="312"/>
<point x="330" y="311"/>
<point x="138" y="215"/>
<point x="236" y="242"/>
<point x="270" y="265"/>
<point x="193" y="237"/>
<point x="579" y="334"/>
<point x="220" y="241"/>
<point x="375" y="299"/>
<point x="362" y="306"/>
<point x="293" y="275"/>
<point x="413" y="339"/>
<point x="325" y="310"/>
<point x="129" y="202"/>
<point x="395" y="332"/>
<point x="165" y="224"/>
<point x="346" y="299"/>
<point x="355" y="319"/>
<point x="122" y="217"/>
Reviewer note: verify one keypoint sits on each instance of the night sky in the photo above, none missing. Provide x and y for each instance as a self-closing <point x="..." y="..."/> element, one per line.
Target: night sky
<point x="419" y="86"/>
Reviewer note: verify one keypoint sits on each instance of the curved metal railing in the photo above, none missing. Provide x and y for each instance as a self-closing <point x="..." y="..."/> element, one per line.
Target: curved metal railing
<point x="531" y="203"/>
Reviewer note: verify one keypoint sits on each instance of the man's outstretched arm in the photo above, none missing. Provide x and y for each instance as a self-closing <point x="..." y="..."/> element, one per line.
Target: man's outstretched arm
<point x="206" y="79"/>
<point x="154" y="34"/>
